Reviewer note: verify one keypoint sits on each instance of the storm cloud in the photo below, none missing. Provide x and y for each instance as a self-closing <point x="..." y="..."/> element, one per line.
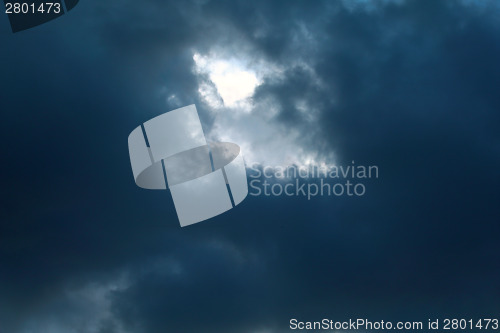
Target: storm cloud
<point x="409" y="86"/>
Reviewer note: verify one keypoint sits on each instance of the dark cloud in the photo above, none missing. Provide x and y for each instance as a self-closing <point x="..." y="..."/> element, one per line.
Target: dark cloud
<point x="410" y="87"/>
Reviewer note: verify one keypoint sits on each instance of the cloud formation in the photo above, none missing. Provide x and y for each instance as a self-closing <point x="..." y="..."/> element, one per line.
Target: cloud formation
<point x="407" y="85"/>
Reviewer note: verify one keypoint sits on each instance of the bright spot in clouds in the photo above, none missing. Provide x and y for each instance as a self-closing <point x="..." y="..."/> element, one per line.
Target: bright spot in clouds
<point x="234" y="82"/>
<point x="227" y="85"/>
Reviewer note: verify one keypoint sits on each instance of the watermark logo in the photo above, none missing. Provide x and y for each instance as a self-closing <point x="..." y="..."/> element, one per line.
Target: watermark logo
<point x="205" y="179"/>
<point x="311" y="180"/>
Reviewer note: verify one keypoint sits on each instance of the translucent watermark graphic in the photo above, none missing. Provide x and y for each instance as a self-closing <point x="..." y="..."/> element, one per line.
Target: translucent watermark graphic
<point x="311" y="181"/>
<point x="170" y="151"/>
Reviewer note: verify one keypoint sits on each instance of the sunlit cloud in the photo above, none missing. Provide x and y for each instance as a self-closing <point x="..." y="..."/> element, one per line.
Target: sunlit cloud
<point x="233" y="83"/>
<point x="227" y="86"/>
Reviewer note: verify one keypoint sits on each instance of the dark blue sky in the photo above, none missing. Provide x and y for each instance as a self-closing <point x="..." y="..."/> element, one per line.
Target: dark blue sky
<point x="410" y="86"/>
